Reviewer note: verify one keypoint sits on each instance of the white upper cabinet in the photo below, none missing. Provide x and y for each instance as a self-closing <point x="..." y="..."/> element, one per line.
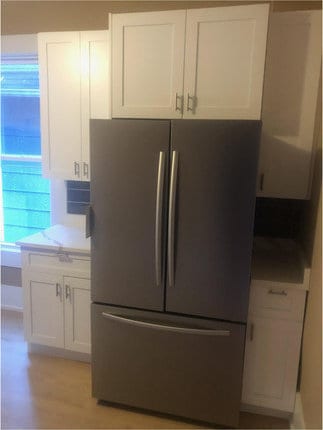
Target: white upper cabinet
<point x="60" y="103"/>
<point x="148" y="64"/>
<point x="224" y="62"/>
<point x="74" y="87"/>
<point x="200" y="63"/>
<point x="292" y="75"/>
<point x="95" y="87"/>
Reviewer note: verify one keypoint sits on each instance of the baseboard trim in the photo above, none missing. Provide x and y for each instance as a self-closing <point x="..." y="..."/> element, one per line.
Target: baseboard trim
<point x="35" y="348"/>
<point x="297" y="420"/>
<point x="266" y="411"/>
<point x="11" y="298"/>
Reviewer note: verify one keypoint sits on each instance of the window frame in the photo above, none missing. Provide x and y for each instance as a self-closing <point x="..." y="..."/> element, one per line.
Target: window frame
<point x="16" y="49"/>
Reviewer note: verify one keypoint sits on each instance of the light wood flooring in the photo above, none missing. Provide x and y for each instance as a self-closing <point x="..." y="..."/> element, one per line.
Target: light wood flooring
<point x="41" y="392"/>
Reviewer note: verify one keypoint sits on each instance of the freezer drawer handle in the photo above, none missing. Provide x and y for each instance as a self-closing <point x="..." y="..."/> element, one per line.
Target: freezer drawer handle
<point x="159" y="217"/>
<point x="174" y="329"/>
<point x="171" y="219"/>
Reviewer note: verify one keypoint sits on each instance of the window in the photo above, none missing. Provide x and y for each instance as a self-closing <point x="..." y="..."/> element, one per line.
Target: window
<point x="25" y="205"/>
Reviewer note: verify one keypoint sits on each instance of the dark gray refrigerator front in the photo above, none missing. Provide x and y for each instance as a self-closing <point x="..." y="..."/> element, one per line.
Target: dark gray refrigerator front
<point x="172" y="219"/>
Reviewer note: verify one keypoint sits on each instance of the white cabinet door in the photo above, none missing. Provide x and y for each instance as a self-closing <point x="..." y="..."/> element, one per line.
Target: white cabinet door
<point x="95" y="87"/>
<point x="44" y="309"/>
<point x="147" y="64"/>
<point x="60" y="103"/>
<point x="77" y="314"/>
<point x="292" y="77"/>
<point x="224" y="62"/>
<point x="271" y="363"/>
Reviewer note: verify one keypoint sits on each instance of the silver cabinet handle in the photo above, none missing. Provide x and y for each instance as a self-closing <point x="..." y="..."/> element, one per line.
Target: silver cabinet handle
<point x="59" y="291"/>
<point x="68" y="295"/>
<point x="76" y="169"/>
<point x="86" y="170"/>
<point x="171" y="218"/>
<point x="277" y="293"/>
<point x="180" y="105"/>
<point x="159" y="217"/>
<point x="192" y="99"/>
<point x="175" y="329"/>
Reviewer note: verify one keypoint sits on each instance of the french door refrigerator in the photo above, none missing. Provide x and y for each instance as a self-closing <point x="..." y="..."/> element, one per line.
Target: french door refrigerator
<point x="172" y="205"/>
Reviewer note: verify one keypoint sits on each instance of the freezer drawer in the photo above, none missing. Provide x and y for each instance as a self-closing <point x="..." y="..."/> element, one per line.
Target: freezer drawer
<point x="177" y="365"/>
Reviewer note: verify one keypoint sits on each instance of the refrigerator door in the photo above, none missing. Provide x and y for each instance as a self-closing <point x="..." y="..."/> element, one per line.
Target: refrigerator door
<point x="211" y="211"/>
<point x="129" y="161"/>
<point x="188" y="367"/>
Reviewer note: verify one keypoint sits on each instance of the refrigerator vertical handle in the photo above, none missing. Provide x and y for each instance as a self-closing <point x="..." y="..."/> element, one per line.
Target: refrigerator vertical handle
<point x="159" y="217"/>
<point x="171" y="219"/>
<point x="88" y="221"/>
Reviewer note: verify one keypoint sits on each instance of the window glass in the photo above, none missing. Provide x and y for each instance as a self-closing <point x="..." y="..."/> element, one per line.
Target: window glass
<point x="25" y="193"/>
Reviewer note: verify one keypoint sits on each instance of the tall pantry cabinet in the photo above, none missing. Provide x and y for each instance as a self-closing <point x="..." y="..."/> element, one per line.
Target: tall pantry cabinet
<point x="74" y="87"/>
<point x="197" y="63"/>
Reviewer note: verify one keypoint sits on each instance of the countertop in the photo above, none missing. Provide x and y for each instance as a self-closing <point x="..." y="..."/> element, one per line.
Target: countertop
<point x="275" y="261"/>
<point x="58" y="238"/>
<point x="279" y="262"/>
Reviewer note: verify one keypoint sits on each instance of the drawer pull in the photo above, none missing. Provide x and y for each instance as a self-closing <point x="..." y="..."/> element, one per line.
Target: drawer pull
<point x="184" y="330"/>
<point x="277" y="293"/>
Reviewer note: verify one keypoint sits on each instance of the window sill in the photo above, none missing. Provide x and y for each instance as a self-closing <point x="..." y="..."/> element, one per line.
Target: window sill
<point x="10" y="255"/>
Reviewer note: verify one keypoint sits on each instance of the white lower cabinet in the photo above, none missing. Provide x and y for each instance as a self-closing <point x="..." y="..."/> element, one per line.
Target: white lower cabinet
<point x="44" y="310"/>
<point x="272" y="348"/>
<point x="57" y="300"/>
<point x="57" y="311"/>
<point x="77" y="314"/>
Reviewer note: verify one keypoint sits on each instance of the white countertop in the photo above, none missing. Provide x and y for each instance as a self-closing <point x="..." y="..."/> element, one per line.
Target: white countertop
<point x="58" y="238"/>
<point x="279" y="261"/>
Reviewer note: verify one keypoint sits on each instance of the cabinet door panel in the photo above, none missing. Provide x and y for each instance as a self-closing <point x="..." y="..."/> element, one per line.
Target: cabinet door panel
<point x="43" y="310"/>
<point x="77" y="314"/>
<point x="147" y="64"/>
<point x="291" y="87"/>
<point x="96" y="92"/>
<point x="224" y="62"/>
<point x="60" y="99"/>
<point x="271" y="363"/>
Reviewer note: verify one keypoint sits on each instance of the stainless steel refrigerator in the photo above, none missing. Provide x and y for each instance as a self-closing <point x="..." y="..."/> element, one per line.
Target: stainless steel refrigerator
<point x="172" y="207"/>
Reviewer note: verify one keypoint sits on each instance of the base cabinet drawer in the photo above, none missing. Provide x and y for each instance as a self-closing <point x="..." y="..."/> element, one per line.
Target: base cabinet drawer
<point x="175" y="365"/>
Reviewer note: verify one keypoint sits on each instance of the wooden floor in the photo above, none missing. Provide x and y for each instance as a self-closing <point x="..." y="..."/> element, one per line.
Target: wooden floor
<point x="40" y="392"/>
